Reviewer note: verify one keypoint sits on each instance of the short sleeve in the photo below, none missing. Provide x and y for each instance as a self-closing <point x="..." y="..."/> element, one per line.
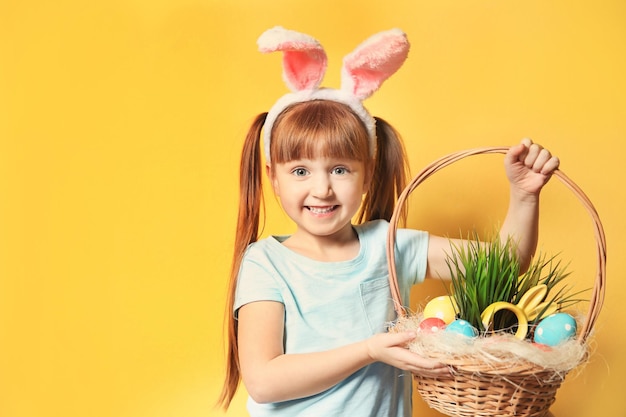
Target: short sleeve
<point x="255" y="283"/>
<point x="411" y="258"/>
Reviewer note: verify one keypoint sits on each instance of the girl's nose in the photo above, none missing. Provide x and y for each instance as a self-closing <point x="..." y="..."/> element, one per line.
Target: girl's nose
<point x="322" y="187"/>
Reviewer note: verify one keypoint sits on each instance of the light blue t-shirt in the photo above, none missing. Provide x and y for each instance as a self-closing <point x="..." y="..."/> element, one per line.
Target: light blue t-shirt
<point x="332" y="304"/>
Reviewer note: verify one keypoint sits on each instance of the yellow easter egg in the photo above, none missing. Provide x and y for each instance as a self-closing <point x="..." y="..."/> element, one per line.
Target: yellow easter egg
<point x="442" y="307"/>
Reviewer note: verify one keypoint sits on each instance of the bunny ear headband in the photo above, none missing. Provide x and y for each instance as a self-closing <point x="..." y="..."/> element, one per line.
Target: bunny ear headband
<point x="304" y="65"/>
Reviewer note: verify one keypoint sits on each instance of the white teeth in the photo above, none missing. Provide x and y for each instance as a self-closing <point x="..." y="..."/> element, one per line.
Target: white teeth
<point x="321" y="210"/>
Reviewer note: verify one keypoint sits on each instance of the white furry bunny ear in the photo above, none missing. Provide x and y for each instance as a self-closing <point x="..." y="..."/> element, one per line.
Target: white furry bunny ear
<point x="304" y="59"/>
<point x="371" y="63"/>
<point x="304" y="66"/>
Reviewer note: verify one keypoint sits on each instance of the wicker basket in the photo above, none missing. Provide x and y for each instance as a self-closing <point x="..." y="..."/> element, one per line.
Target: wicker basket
<point x="476" y="389"/>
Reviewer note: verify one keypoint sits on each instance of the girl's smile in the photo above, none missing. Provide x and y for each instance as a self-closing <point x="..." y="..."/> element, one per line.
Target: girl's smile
<point x="321" y="211"/>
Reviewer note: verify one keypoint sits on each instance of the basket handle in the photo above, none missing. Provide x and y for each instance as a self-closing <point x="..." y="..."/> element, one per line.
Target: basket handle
<point x="597" y="296"/>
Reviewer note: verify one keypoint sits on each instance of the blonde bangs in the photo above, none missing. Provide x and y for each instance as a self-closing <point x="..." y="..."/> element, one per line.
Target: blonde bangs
<point x="319" y="128"/>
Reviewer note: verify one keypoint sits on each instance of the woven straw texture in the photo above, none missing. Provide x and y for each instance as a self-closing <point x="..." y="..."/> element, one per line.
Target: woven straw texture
<point x="477" y="389"/>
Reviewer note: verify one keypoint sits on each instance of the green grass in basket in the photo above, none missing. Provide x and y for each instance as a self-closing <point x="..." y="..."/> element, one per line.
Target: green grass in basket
<point x="548" y="271"/>
<point x="486" y="272"/>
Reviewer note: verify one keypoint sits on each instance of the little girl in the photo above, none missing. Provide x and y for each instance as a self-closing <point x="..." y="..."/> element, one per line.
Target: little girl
<point x="307" y="329"/>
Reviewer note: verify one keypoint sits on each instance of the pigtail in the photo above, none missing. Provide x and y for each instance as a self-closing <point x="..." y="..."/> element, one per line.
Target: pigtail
<point x="250" y="205"/>
<point x="389" y="177"/>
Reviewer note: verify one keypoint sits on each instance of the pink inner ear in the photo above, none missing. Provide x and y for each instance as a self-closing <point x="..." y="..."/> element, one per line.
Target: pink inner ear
<point x="366" y="81"/>
<point x="304" y="59"/>
<point x="304" y="69"/>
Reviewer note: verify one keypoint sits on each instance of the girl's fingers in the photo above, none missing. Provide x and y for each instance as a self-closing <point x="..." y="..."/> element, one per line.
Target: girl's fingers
<point x="401" y="339"/>
<point x="551" y="165"/>
<point x="531" y="155"/>
<point x="540" y="161"/>
<point x="440" y="371"/>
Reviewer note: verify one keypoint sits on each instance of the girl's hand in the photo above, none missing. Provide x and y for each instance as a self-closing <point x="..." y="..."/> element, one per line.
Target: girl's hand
<point x="391" y="348"/>
<point x="529" y="166"/>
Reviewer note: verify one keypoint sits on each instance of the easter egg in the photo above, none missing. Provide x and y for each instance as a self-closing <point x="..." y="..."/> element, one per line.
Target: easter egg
<point x="432" y="325"/>
<point x="555" y="329"/>
<point x="442" y="307"/>
<point x="462" y="327"/>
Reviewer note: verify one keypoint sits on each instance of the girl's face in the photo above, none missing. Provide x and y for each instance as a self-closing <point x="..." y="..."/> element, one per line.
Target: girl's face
<point x="320" y="195"/>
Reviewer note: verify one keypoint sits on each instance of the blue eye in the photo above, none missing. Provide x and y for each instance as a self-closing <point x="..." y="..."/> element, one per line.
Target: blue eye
<point x="299" y="172"/>
<point x="340" y="170"/>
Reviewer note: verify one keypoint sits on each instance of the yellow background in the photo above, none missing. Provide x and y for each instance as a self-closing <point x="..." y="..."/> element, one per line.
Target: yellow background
<point x="121" y="123"/>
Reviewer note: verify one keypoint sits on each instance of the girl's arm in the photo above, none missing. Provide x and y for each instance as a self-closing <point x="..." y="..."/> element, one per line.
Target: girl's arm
<point x="270" y="375"/>
<point x="528" y="167"/>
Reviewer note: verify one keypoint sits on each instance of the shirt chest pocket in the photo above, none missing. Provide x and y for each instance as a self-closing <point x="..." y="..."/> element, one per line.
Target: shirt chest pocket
<point x="377" y="304"/>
